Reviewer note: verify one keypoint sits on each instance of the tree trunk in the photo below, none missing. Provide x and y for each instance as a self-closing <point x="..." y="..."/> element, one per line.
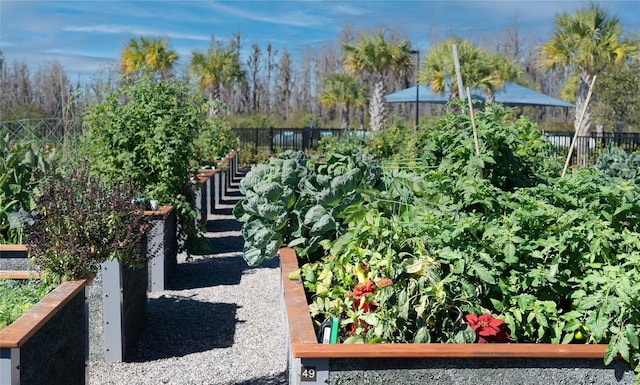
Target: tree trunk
<point x="344" y="111"/>
<point x="582" y="144"/>
<point x="376" y="108"/>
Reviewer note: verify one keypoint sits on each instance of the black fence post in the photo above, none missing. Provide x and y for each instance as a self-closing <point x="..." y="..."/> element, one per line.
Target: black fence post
<point x="271" y="145"/>
<point x="255" y="143"/>
<point x="305" y="138"/>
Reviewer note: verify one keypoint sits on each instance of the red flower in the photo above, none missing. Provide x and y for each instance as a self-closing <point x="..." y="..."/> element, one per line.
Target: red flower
<point x="488" y="328"/>
<point x="360" y="291"/>
<point x="363" y="289"/>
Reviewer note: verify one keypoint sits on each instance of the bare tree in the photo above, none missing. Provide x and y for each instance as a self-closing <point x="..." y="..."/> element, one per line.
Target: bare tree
<point x="284" y="86"/>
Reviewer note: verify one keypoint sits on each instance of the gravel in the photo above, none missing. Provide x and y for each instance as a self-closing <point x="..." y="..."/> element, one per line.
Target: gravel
<point x="220" y="322"/>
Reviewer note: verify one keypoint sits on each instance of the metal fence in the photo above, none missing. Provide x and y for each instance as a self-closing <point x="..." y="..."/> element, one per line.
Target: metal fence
<point x="279" y="139"/>
<point x="587" y="148"/>
<point x="52" y="130"/>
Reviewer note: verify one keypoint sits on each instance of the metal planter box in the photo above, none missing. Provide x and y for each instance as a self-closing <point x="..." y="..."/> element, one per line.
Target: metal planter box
<point x="310" y="362"/>
<point x="48" y="343"/>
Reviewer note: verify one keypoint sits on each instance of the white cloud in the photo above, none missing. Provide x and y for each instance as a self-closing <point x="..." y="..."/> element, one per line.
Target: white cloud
<point x="122" y="29"/>
<point x="289" y="17"/>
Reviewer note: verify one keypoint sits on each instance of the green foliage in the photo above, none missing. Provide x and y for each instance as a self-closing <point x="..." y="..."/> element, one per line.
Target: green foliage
<point x="399" y="140"/>
<point x="215" y="140"/>
<point x="618" y="163"/>
<point x="17" y="297"/>
<point x="81" y="223"/>
<point x="22" y="164"/>
<point x="512" y="154"/>
<point x="145" y="133"/>
<point x="249" y="154"/>
<point x="554" y="258"/>
<point x="290" y="200"/>
<point x="256" y="121"/>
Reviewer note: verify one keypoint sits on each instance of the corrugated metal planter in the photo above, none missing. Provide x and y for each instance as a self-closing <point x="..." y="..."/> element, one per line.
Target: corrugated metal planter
<point x="310" y="362"/>
<point x="48" y="343"/>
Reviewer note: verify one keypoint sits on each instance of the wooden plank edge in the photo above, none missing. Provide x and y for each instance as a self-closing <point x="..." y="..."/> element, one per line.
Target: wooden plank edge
<point x="300" y="325"/>
<point x="19" y="332"/>
<point x="162" y="211"/>
<point x="19" y="274"/>
<point x="438" y="350"/>
<point x="13" y="247"/>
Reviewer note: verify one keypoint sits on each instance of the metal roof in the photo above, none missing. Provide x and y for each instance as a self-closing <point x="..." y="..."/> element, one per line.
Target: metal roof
<point x="511" y="94"/>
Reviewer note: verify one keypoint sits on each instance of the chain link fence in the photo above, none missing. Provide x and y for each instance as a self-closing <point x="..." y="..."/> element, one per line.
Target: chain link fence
<point x="47" y="131"/>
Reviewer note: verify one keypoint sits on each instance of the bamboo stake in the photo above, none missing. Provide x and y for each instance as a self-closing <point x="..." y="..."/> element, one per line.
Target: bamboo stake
<point x="575" y="136"/>
<point x="456" y="63"/>
<point x="473" y="125"/>
<point x="473" y="122"/>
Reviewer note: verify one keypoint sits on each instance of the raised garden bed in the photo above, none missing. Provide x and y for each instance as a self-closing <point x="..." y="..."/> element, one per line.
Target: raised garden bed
<point x="47" y="344"/>
<point x="117" y="301"/>
<point x="204" y="193"/>
<point x="15" y="257"/>
<point x="117" y="297"/>
<point x="163" y="244"/>
<point x="310" y="362"/>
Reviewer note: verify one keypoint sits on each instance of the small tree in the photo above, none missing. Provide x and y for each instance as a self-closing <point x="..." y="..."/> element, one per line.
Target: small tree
<point x="376" y="56"/>
<point x="220" y="66"/>
<point x="143" y="53"/>
<point x="344" y="91"/>
<point x="145" y="132"/>
<point x="586" y="42"/>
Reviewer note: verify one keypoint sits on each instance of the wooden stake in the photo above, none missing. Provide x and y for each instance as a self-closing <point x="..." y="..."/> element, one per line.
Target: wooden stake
<point x="475" y="131"/>
<point x="456" y="63"/>
<point x="575" y="136"/>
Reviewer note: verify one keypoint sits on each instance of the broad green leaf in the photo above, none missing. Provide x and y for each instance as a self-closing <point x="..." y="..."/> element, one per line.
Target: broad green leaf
<point x="422" y="336"/>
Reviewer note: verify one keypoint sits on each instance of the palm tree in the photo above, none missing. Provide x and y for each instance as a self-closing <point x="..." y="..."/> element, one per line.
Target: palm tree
<point x="217" y="68"/>
<point x="480" y="69"/>
<point x="344" y="91"/>
<point x="154" y="53"/>
<point x="586" y="42"/>
<point x="376" y="57"/>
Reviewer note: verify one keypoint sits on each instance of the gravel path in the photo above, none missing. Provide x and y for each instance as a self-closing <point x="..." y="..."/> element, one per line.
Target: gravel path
<point x="220" y="322"/>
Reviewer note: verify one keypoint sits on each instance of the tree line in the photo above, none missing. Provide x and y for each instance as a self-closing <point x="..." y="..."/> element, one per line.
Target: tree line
<point x="342" y="84"/>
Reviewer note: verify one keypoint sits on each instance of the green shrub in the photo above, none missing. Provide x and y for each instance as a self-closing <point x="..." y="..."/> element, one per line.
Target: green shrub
<point x="215" y="139"/>
<point x="82" y="222"/>
<point x="145" y="133"/>
<point x="454" y="234"/>
<point x="511" y="154"/>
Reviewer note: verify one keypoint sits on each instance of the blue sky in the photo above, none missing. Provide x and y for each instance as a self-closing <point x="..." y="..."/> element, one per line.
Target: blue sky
<point x="87" y="36"/>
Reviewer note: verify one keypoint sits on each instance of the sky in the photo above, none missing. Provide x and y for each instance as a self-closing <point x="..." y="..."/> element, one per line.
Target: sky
<point x="88" y="36"/>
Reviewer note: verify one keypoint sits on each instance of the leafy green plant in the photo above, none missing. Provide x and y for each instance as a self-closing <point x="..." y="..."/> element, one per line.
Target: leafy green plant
<point x="82" y="222"/>
<point x="512" y="154"/>
<point x="22" y="164"/>
<point x="215" y="139"/>
<point x="270" y="193"/>
<point x="553" y="260"/>
<point x="18" y="296"/>
<point x="618" y="163"/>
<point x="145" y="133"/>
<point x="294" y="201"/>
